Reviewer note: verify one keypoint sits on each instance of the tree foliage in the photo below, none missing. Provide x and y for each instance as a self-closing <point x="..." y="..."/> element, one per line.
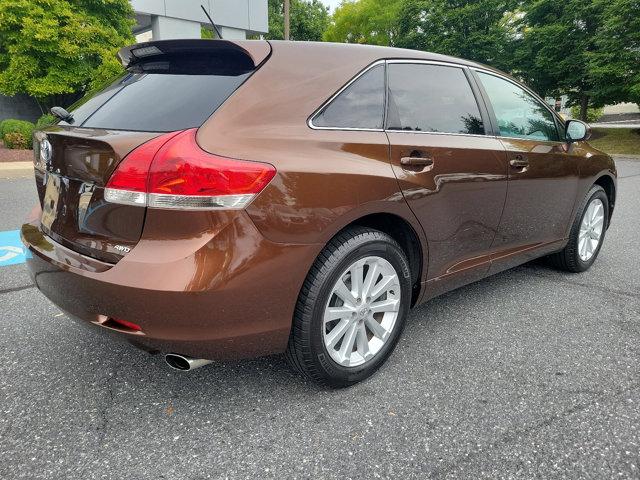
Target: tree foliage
<point x="587" y="49"/>
<point x="478" y="30"/>
<point x="614" y="63"/>
<point x="53" y="49"/>
<point x="553" y="51"/>
<point x="308" y="20"/>
<point x="373" y="22"/>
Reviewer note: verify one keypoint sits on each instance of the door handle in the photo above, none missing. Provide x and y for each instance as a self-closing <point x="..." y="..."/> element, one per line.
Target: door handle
<point x="416" y="162"/>
<point x="519" y="161"/>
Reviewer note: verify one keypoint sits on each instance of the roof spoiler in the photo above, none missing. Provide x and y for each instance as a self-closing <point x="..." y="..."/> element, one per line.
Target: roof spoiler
<point x="161" y="50"/>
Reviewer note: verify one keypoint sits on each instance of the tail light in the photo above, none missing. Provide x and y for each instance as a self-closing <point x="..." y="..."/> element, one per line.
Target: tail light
<point x="172" y="171"/>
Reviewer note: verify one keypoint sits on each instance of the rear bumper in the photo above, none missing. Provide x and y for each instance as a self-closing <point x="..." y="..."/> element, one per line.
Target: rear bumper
<point x="221" y="294"/>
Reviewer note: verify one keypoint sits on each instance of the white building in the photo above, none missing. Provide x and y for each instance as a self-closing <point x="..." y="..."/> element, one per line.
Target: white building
<point x="166" y="19"/>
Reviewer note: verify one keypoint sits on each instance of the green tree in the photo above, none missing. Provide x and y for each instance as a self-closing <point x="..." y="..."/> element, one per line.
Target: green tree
<point x="557" y="39"/>
<point x="206" y="33"/>
<point x="54" y="50"/>
<point x="480" y="30"/>
<point x="614" y="64"/>
<point x="309" y="19"/>
<point x="371" y="22"/>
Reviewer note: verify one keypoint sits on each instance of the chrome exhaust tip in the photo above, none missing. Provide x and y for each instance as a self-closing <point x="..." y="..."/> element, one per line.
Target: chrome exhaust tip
<point x="184" y="363"/>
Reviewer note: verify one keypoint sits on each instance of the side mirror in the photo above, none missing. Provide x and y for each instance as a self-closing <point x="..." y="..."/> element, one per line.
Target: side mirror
<point x="577" y="131"/>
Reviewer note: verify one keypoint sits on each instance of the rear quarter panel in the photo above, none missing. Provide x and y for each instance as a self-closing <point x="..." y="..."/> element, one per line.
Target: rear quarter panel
<point x="326" y="178"/>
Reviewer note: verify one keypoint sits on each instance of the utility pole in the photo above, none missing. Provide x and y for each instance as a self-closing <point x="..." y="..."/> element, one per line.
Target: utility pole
<point x="286" y="19"/>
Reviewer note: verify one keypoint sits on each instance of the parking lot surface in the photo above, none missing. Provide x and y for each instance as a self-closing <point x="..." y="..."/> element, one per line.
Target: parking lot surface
<point x="532" y="373"/>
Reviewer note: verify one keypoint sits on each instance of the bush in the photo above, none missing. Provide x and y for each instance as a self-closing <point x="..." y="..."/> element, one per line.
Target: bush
<point x="15" y="140"/>
<point x="593" y="114"/>
<point x="46" y="120"/>
<point x="22" y="127"/>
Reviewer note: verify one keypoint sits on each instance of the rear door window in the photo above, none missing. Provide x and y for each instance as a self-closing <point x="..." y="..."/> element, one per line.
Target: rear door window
<point x="519" y="114"/>
<point x="156" y="102"/>
<point x="359" y="106"/>
<point x="431" y="98"/>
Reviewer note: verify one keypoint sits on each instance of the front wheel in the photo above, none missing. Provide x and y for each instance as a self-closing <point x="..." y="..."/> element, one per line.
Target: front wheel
<point x="587" y="233"/>
<point x="351" y="309"/>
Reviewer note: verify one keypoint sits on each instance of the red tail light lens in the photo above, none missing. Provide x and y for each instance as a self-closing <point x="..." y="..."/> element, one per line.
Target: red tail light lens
<point x="182" y="168"/>
<point x="172" y="171"/>
<point x="133" y="171"/>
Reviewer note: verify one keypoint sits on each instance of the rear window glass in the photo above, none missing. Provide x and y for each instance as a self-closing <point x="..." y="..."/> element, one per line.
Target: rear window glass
<point x="360" y="105"/>
<point x="156" y="102"/>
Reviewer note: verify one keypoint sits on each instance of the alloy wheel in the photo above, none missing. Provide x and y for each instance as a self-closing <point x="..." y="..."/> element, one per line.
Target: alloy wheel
<point x="361" y="312"/>
<point x="591" y="230"/>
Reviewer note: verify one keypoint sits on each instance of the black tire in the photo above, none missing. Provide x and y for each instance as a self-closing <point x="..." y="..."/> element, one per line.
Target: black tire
<point x="306" y="351"/>
<point x="568" y="259"/>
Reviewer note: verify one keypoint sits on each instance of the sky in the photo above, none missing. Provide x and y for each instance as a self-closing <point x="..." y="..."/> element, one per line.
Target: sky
<point x="332" y="4"/>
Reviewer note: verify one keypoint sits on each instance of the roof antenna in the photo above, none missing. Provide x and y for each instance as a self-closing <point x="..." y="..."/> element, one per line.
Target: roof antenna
<point x="213" y="24"/>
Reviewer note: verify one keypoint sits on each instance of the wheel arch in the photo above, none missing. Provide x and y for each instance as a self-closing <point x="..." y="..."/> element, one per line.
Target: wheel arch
<point x="609" y="186"/>
<point x="405" y="234"/>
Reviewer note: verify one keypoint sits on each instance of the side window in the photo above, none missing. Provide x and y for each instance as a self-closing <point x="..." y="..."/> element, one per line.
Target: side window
<point x="519" y="114"/>
<point x="431" y="98"/>
<point x="360" y="105"/>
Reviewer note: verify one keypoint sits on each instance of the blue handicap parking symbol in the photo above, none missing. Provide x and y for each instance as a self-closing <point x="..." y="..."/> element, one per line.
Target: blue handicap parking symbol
<point x="12" y="251"/>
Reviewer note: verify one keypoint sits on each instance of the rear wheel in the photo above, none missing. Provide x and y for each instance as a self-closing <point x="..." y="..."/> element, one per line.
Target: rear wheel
<point x="351" y="309"/>
<point x="587" y="233"/>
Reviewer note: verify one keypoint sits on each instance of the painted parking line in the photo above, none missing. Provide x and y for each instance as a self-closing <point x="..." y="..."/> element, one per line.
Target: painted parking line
<point x="12" y="252"/>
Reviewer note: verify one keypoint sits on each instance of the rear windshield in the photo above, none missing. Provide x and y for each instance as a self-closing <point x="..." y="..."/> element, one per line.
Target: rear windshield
<point x="155" y="102"/>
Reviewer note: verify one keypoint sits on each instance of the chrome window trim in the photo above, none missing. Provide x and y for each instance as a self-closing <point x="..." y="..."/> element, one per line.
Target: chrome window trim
<point x="555" y="142"/>
<point x="427" y="62"/>
<point x="537" y="97"/>
<point x="344" y="129"/>
<point x="440" y="133"/>
<point x="311" y="125"/>
<point x="335" y="95"/>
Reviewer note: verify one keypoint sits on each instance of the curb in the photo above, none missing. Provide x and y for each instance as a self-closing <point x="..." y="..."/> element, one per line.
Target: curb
<point x="631" y="126"/>
<point x="16" y="169"/>
<point x="624" y="156"/>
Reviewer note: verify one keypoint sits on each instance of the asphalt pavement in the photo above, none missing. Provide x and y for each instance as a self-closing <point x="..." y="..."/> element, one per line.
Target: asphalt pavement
<point x="532" y="373"/>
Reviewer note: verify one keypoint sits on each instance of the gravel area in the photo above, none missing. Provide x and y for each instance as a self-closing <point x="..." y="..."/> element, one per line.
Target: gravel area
<point x="9" y="155"/>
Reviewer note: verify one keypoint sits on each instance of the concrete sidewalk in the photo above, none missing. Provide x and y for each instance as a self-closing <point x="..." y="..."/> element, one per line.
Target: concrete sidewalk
<point x="16" y="169"/>
<point x="620" y="120"/>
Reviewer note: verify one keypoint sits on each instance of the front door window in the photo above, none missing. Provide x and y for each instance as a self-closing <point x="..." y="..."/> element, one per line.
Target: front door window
<point x="519" y="114"/>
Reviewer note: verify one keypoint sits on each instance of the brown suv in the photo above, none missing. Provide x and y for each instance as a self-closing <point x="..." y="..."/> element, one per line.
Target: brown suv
<point x="233" y="199"/>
